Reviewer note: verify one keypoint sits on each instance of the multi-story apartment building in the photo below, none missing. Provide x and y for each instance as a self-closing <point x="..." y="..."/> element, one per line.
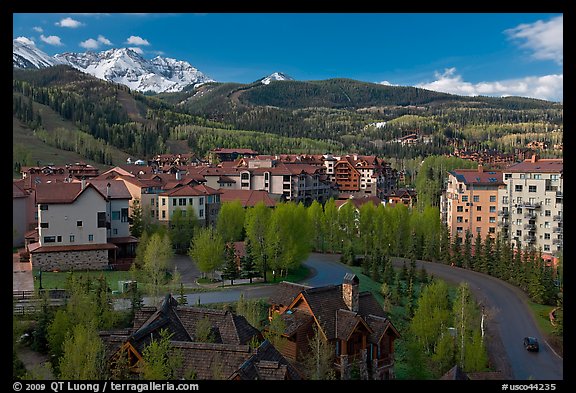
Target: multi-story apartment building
<point x="78" y="225"/>
<point x="470" y="202"/>
<point x="531" y="205"/>
<point x="204" y="201"/>
<point x="285" y="181"/>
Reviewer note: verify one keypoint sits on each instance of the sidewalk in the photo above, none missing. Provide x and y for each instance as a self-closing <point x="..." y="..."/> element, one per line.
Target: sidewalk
<point x="22" y="278"/>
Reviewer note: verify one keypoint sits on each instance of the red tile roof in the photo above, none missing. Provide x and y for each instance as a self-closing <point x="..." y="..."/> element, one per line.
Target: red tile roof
<point x="62" y="192"/>
<point x="248" y="198"/>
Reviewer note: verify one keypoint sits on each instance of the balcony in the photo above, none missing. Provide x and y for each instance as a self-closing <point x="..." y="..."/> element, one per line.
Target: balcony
<point x="503" y="213"/>
<point x="530" y="238"/>
<point x="531" y="205"/>
<point x="530" y="215"/>
<point x="559" y="194"/>
<point x="557" y="241"/>
<point x="557" y="229"/>
<point x="530" y="226"/>
<point x="557" y="218"/>
<point x="504" y="223"/>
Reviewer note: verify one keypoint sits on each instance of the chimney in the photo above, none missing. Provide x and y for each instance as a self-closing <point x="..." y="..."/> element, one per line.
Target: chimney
<point x="480" y="168"/>
<point x="108" y="190"/>
<point x="534" y="158"/>
<point x="350" y="289"/>
<point x="178" y="176"/>
<point x="83" y="183"/>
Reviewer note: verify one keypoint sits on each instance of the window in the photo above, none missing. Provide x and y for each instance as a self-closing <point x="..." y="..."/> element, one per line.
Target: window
<point x="478" y="229"/>
<point x="537" y="176"/>
<point x="90" y="238"/>
<point x="492" y="219"/>
<point x="478" y="219"/>
<point x="201" y="201"/>
<point x="459" y="209"/>
<point x="245" y="184"/>
<point x="163" y="213"/>
<point x="459" y="219"/>
<point x="101" y="219"/>
<point x="492" y="198"/>
<point x="518" y="188"/>
<point x="531" y="188"/>
<point x="286" y="178"/>
<point x="115" y="215"/>
<point x="547" y="201"/>
<point x="478" y="208"/>
<point x="507" y="176"/>
<point x="163" y="201"/>
<point x="43" y="225"/>
<point x="174" y="202"/>
<point x="547" y="213"/>
<point x="124" y="214"/>
<point x="522" y="176"/>
<point x="547" y="224"/>
<point x="49" y="239"/>
<point x="59" y="239"/>
<point x="464" y="198"/>
<point x="115" y="231"/>
<point x="546" y="247"/>
<point x="201" y="213"/>
<point x="43" y="207"/>
<point x="286" y="187"/>
<point x="505" y="200"/>
<point x="546" y="236"/>
<point x="191" y="201"/>
<point x="78" y="223"/>
<point x="492" y="209"/>
<point x="181" y="201"/>
<point x="476" y="198"/>
<point x="519" y="210"/>
<point x="491" y="230"/>
<point x="72" y="238"/>
<point x="459" y="229"/>
<point x="245" y="176"/>
<point x="518" y="232"/>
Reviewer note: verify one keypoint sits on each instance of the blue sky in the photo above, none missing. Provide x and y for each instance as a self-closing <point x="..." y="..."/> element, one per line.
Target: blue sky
<point x="494" y="54"/>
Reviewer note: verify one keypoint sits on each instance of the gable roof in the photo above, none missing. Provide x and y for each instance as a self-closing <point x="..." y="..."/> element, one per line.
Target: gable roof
<point x="248" y="198"/>
<point x="63" y="192"/>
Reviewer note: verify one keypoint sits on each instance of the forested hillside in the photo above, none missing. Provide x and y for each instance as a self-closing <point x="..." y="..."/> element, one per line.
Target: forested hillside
<point x="336" y="115"/>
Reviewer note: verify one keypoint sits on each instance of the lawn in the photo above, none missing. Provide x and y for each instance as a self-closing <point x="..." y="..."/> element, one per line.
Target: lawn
<point x="57" y="280"/>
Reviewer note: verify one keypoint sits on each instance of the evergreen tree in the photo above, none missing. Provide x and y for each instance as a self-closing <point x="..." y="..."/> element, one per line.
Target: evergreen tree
<point x="159" y="361"/>
<point x="231" y="267"/>
<point x="467" y="257"/>
<point x="247" y="263"/>
<point x="319" y="359"/>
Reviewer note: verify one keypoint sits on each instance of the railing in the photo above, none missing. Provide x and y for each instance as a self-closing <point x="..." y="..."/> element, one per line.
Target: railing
<point x="559" y="194"/>
<point x="503" y="213"/>
<point x="557" y="229"/>
<point x="530" y="238"/>
<point x="557" y="241"/>
<point x="530" y="226"/>
<point x="557" y="218"/>
<point x="531" y="205"/>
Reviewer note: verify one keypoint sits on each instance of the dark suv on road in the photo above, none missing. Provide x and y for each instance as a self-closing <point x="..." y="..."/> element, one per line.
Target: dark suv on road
<point x="531" y="344"/>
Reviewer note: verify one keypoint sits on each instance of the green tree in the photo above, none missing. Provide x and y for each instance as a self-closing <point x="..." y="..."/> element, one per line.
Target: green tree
<point x="256" y="225"/>
<point x="156" y="258"/>
<point x="248" y="266"/>
<point x="319" y="360"/>
<point x="230" y="221"/>
<point x="330" y="224"/>
<point x="207" y="250"/>
<point x="159" y="362"/>
<point x="317" y="224"/>
<point x="230" y="268"/>
<point x="136" y="225"/>
<point x="203" y="332"/>
<point x="83" y="355"/>
<point x="275" y="330"/>
<point x="183" y="224"/>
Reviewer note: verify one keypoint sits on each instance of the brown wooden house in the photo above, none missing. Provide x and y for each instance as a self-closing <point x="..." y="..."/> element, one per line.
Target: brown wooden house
<point x="355" y="323"/>
<point x="237" y="349"/>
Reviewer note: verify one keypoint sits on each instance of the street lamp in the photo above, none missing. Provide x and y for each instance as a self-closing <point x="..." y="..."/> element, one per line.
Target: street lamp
<point x="40" y="280"/>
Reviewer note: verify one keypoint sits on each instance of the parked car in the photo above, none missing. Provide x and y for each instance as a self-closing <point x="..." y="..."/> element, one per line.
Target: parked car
<point x="531" y="344"/>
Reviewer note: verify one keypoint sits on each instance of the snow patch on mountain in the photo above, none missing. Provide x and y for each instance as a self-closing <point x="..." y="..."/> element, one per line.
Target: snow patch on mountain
<point x="277" y="76"/>
<point x="26" y="55"/>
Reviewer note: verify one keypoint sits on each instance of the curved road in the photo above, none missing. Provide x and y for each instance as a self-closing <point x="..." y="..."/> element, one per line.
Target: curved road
<point x="508" y="318"/>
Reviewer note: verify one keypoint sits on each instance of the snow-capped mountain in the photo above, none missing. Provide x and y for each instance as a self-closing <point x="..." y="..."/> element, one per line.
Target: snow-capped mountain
<point x="277" y="76"/>
<point x="123" y="66"/>
<point x="127" y="67"/>
<point x="29" y="56"/>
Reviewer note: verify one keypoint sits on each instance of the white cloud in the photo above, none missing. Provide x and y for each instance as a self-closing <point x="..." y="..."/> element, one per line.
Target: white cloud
<point x="547" y="87"/>
<point x="68" y="22"/>
<point x="51" y="40"/>
<point x="90" y="43"/>
<point x="38" y="29"/>
<point x="544" y="39"/>
<point x="386" y="83"/>
<point x="135" y="40"/>
<point x="137" y="50"/>
<point x="25" y="40"/>
<point x="104" y="40"/>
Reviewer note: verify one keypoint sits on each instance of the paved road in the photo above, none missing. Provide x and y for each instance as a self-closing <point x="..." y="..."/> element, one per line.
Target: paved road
<point x="509" y="317"/>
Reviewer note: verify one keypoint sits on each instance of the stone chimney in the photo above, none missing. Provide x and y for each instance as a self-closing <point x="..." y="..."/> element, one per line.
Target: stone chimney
<point x="83" y="183"/>
<point x="350" y="291"/>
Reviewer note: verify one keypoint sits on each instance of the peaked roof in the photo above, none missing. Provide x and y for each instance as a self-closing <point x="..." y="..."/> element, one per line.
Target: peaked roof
<point x="63" y="192"/>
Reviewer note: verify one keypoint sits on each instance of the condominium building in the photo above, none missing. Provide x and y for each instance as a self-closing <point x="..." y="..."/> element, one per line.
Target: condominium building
<point x="470" y="202"/>
<point x="531" y="205"/>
